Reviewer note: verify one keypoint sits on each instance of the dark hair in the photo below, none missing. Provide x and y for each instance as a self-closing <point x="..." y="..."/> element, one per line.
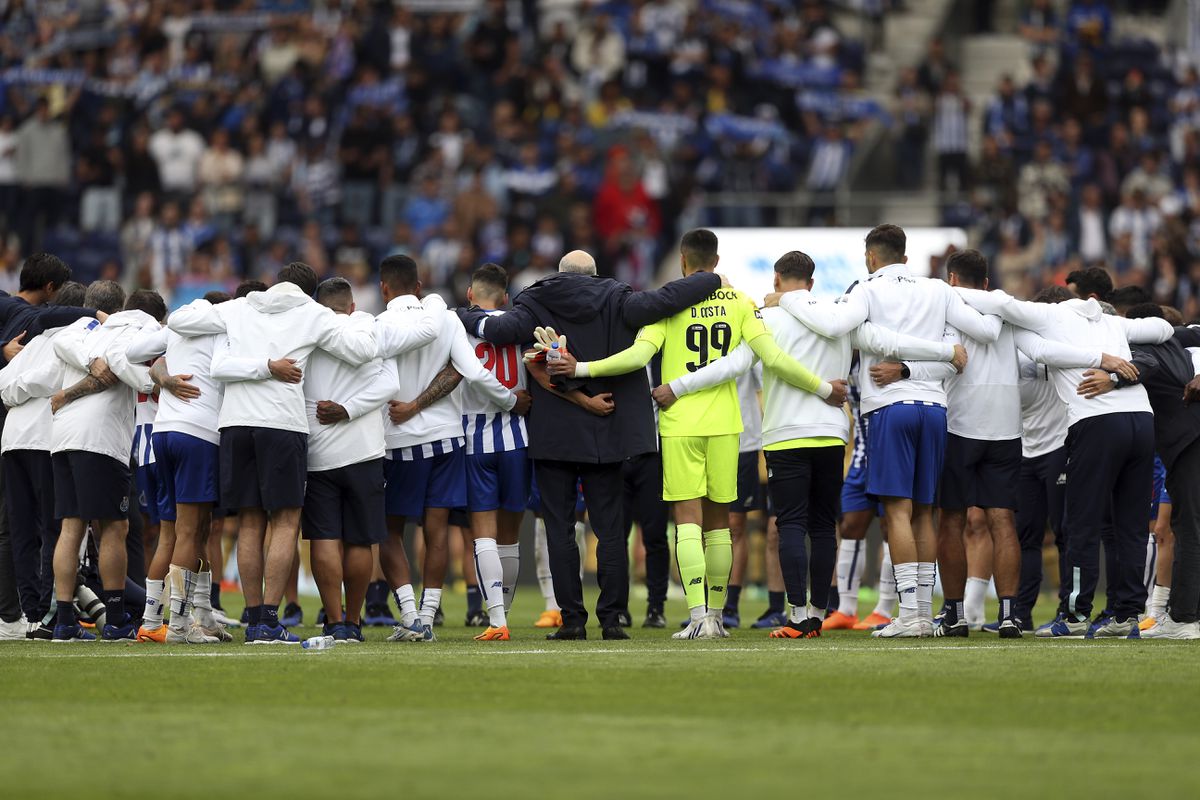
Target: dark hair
<point x="1129" y="296"/>
<point x="399" y="272"/>
<point x="70" y="294"/>
<point x="246" y="287"/>
<point x="970" y="266"/>
<point x="888" y="241"/>
<point x="42" y="270"/>
<point x="795" y="265"/>
<point x="1172" y="315"/>
<point x="300" y="274"/>
<point x="149" y="301"/>
<point x="1091" y="281"/>
<point x="1144" y="310"/>
<point x="335" y="293"/>
<point x="491" y="279"/>
<point x="106" y="296"/>
<point x="217" y="297"/>
<point x="699" y="247"/>
<point x="1053" y="294"/>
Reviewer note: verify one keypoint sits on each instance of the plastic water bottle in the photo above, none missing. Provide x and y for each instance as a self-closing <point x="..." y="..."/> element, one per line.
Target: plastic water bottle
<point x="318" y="643"/>
<point x="553" y="353"/>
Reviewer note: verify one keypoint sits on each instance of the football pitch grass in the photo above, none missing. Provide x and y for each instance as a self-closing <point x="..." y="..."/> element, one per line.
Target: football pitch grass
<point x="842" y="715"/>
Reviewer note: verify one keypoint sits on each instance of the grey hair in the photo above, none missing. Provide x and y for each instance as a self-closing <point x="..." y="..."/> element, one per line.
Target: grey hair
<point x="579" y="262"/>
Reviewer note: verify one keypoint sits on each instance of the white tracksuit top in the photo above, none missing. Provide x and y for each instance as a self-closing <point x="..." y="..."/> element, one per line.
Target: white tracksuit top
<point x="26" y="384"/>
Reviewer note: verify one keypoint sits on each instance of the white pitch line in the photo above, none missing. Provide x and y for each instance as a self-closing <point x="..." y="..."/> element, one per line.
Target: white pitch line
<point x="85" y="651"/>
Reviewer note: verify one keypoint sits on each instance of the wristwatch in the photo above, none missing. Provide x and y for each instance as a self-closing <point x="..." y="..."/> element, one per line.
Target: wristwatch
<point x="1114" y="377"/>
<point x="905" y="372"/>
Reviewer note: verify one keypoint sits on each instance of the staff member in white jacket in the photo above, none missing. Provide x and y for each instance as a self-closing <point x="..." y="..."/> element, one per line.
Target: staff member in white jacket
<point x="426" y="470"/>
<point x="264" y="427"/>
<point x="1110" y="447"/>
<point x="344" y="496"/>
<point x="805" y="440"/>
<point x="90" y="439"/>
<point x="26" y="384"/>
<point x="184" y="441"/>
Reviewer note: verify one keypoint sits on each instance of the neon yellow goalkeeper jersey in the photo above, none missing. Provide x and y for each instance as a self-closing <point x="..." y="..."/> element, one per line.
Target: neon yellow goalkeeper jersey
<point x="693" y="338"/>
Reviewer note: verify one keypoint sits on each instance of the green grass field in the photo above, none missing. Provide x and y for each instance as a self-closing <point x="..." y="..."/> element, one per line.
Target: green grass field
<point x="747" y="717"/>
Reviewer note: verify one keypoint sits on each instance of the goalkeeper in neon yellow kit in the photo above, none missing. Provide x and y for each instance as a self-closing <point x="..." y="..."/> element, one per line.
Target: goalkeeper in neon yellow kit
<point x="700" y="431"/>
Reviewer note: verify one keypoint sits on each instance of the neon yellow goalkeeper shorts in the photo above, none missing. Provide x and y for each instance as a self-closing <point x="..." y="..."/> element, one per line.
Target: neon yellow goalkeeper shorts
<point x="700" y="466"/>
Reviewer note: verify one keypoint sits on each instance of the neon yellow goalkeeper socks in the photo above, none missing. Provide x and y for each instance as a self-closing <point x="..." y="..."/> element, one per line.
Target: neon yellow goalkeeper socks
<point x="689" y="554"/>
<point x="718" y="560"/>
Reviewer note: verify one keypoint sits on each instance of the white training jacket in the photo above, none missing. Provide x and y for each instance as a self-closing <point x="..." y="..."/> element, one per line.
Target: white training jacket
<point x="185" y="355"/>
<point x="26" y="384"/>
<point x="899" y="301"/>
<point x="362" y="391"/>
<point x="1043" y="413"/>
<point x="102" y="422"/>
<point x="281" y="322"/>
<point x="1084" y="324"/>
<point x="749" y="384"/>
<point x="441" y="420"/>
<point x="790" y="413"/>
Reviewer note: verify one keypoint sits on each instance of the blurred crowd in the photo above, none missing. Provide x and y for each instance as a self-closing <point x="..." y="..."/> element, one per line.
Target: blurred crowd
<point x="185" y="145"/>
<point x="1094" y="160"/>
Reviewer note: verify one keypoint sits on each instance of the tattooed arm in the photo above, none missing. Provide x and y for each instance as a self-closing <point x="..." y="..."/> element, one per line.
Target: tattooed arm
<point x="442" y="384"/>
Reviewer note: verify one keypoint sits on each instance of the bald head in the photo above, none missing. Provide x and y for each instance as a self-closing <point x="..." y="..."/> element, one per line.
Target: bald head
<point x="579" y="262"/>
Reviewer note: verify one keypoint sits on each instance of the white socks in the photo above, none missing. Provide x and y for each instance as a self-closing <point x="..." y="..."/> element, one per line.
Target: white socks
<point x="510" y="561"/>
<point x="906" y="588"/>
<point x="542" y="557"/>
<point x="407" y="603"/>
<point x="430" y="600"/>
<point x="1157" y="607"/>
<point x="849" y="574"/>
<point x="817" y="613"/>
<point x="202" y="599"/>
<point x="491" y="582"/>
<point x="797" y="614"/>
<point x="973" y="600"/>
<point x="183" y="584"/>
<point x="887" y="585"/>
<point x="1151" y="563"/>
<point x="926" y="574"/>
<point x="152" y="618"/>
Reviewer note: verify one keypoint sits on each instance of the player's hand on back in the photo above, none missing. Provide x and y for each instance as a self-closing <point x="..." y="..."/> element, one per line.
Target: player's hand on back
<point x="400" y="412"/>
<point x="1191" y="392"/>
<point x="772" y="300"/>
<point x="524" y="401"/>
<point x="1125" y="369"/>
<point x="13" y="346"/>
<point x="664" y="396"/>
<point x="285" y="369"/>
<point x="178" y="385"/>
<point x="1095" y="383"/>
<point x="329" y="412"/>
<point x="886" y="372"/>
<point x="841" y="391"/>
<point x="960" y="358"/>
<point x="601" y="405"/>
<point x="98" y="369"/>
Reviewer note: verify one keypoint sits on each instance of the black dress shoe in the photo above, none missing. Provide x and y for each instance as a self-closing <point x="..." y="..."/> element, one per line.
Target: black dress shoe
<point x="568" y="633"/>
<point x="614" y="632"/>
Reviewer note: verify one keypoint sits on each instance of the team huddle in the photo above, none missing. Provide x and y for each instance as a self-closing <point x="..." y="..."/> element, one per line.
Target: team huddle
<point x="977" y="422"/>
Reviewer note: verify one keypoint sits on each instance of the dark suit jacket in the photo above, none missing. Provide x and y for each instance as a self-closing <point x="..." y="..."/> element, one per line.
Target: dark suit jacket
<point x="1164" y="369"/>
<point x="600" y="316"/>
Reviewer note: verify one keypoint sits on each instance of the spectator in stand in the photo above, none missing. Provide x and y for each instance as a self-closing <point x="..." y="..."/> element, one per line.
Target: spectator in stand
<point x="1139" y="220"/>
<point x="622" y="203"/>
<point x="934" y="68"/>
<point x="170" y="251"/>
<point x="1007" y="114"/>
<point x="599" y="51"/>
<point x="1089" y="236"/>
<point x="911" y="111"/>
<point x="1040" y="27"/>
<point x="220" y="173"/>
<point x="43" y="172"/>
<point x="1082" y="94"/>
<point x="177" y="151"/>
<point x="100" y="197"/>
<point x="1148" y="177"/>
<point x="1089" y="23"/>
<point x="427" y="210"/>
<point x="315" y="182"/>
<point x="136" y="236"/>
<point x="1039" y="179"/>
<point x="950" y="111"/>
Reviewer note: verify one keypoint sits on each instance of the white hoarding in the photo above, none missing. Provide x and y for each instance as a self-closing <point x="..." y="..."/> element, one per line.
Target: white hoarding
<point x="748" y="254"/>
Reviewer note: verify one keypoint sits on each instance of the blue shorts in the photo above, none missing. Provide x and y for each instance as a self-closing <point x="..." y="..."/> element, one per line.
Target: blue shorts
<point x="498" y="481"/>
<point x="854" y="492"/>
<point x="1158" y="493"/>
<point x="535" y="497"/>
<point x="188" y="470"/>
<point x="150" y="490"/>
<point x="905" y="451"/>
<point x="439" y="481"/>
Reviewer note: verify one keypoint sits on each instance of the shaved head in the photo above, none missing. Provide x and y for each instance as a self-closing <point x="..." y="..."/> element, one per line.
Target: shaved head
<point x="579" y="262"/>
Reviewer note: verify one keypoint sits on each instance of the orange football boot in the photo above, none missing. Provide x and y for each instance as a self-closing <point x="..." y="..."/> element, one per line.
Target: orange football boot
<point x="837" y="621"/>
<point x="493" y="635"/>
<point x="872" y="622"/>
<point x="549" y="619"/>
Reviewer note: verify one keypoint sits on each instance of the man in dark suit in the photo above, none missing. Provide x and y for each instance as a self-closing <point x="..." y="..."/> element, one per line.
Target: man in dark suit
<point x="1167" y="372"/>
<point x="599" y="316"/>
